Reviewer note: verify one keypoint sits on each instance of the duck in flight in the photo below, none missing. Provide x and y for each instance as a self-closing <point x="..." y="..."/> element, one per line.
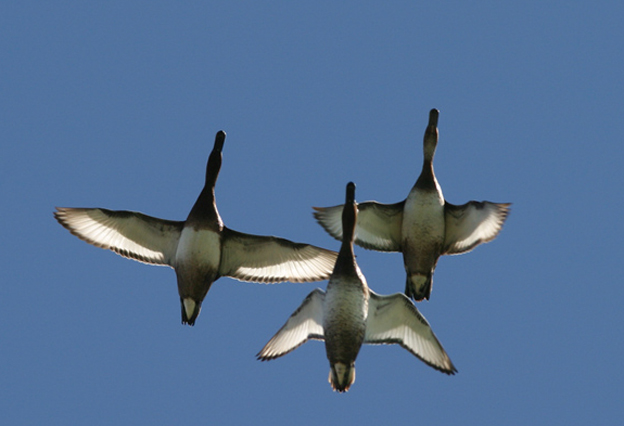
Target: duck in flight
<point x="424" y="226"/>
<point x="200" y="249"/>
<point x="349" y="314"/>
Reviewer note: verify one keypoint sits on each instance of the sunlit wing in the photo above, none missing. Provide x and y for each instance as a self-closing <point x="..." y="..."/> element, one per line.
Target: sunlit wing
<point x="262" y="259"/>
<point x="471" y="224"/>
<point x="304" y="324"/>
<point x="378" y="225"/>
<point x="129" y="234"/>
<point x="395" y="319"/>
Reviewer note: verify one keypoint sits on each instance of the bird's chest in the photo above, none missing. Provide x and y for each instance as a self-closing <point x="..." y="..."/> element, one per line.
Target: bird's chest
<point x="423" y="221"/>
<point x="199" y="249"/>
<point x="344" y="323"/>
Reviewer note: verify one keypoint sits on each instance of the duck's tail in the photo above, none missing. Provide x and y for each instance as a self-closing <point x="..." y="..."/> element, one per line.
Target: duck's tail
<point x="418" y="286"/>
<point x="342" y="376"/>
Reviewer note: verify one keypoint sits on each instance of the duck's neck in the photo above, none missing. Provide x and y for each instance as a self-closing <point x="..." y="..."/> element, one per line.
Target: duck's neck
<point x="345" y="263"/>
<point x="427" y="179"/>
<point x="204" y="212"/>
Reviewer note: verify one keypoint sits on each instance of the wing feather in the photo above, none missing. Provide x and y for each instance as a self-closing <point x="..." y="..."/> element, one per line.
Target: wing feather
<point x="395" y="320"/>
<point x="304" y="324"/>
<point x="263" y="259"/>
<point x="378" y="225"/>
<point x="471" y="224"/>
<point x="129" y="234"/>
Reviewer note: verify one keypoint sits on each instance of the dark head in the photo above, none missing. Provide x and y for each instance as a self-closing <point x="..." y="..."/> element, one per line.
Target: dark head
<point x="431" y="135"/>
<point x="433" y="117"/>
<point x="349" y="215"/>
<point x="215" y="159"/>
<point x="219" y="141"/>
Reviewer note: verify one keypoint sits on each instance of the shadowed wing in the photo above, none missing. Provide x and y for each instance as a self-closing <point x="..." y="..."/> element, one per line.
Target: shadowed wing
<point x="395" y="319"/>
<point x="304" y="324"/>
<point x="129" y="234"/>
<point x="262" y="259"/>
<point x="378" y="225"/>
<point x="471" y="224"/>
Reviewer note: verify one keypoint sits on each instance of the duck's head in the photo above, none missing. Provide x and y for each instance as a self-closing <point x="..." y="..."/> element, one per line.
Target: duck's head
<point x="349" y="214"/>
<point x="215" y="159"/>
<point x="431" y="135"/>
<point x="219" y="141"/>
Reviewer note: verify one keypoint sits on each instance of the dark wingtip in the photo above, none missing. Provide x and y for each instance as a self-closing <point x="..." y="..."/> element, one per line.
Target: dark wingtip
<point x="433" y="117"/>
<point x="350" y="198"/>
<point x="219" y="140"/>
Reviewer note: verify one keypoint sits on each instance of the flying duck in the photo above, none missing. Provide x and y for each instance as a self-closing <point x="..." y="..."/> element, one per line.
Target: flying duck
<point x="200" y="249"/>
<point x="349" y="314"/>
<point x="424" y="226"/>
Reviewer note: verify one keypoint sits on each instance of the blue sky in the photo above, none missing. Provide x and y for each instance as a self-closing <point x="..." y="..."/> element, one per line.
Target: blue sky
<point x="116" y="104"/>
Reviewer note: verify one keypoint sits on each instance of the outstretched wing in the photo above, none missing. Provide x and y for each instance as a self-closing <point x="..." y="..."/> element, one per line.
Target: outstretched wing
<point x="129" y="234"/>
<point x="378" y="225"/>
<point x="471" y="224"/>
<point x="304" y="324"/>
<point x="262" y="259"/>
<point x="395" y="319"/>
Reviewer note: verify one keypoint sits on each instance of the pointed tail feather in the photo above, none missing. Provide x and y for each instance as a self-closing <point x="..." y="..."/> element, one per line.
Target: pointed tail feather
<point x="190" y="310"/>
<point x="418" y="286"/>
<point x="341" y="376"/>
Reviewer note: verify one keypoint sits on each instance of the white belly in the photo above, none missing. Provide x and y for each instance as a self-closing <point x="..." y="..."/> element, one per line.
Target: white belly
<point x="423" y="219"/>
<point x="199" y="248"/>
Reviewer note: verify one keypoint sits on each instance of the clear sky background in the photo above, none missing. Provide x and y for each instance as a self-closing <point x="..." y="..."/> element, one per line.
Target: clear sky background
<point x="116" y="104"/>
